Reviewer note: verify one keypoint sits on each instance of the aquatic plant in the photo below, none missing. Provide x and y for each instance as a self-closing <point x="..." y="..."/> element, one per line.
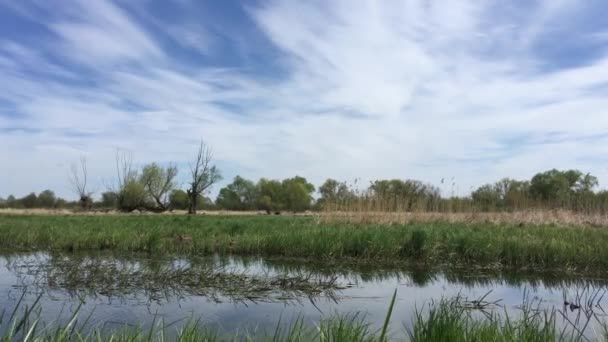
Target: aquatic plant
<point x="449" y="319"/>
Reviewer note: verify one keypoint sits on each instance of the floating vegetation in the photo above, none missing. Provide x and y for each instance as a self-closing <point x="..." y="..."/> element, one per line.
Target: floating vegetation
<point x="158" y="279"/>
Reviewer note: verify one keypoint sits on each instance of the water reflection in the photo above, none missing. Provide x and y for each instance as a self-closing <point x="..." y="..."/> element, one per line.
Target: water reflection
<point x="230" y="292"/>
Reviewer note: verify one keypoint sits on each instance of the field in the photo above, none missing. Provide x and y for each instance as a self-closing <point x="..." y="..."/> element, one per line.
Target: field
<point x="563" y="248"/>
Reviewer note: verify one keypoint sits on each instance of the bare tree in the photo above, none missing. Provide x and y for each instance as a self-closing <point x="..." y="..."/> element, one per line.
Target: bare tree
<point x="78" y="178"/>
<point x="204" y="175"/>
<point x="124" y="169"/>
<point x="130" y="193"/>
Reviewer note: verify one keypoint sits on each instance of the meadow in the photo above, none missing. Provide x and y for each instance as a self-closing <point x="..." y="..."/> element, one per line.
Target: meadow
<point x="559" y="247"/>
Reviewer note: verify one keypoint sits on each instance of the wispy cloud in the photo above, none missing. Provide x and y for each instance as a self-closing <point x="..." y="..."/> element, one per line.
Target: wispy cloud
<point x="339" y="89"/>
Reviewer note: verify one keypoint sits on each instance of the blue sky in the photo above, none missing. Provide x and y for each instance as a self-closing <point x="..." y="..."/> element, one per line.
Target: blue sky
<point x="470" y="90"/>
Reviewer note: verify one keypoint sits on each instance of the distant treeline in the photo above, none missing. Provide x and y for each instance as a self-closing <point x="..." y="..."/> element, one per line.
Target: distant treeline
<point x="153" y="188"/>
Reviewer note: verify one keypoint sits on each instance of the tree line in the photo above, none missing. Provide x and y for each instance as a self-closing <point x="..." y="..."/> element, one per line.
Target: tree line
<point x="153" y="187"/>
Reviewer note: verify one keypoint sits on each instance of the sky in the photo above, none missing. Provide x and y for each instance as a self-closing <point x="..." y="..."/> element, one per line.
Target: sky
<point x="468" y="91"/>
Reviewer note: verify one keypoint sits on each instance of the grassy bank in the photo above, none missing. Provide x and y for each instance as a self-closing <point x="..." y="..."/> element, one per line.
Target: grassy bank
<point x="527" y="246"/>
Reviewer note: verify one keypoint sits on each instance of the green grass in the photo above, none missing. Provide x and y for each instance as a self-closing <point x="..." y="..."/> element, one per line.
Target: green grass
<point x="446" y="320"/>
<point x="531" y="247"/>
<point x="450" y="320"/>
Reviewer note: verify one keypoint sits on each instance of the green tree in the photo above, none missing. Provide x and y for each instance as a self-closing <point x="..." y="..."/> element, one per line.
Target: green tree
<point x="560" y="187"/>
<point x="109" y="199"/>
<point x="205" y="203"/>
<point x="241" y="194"/>
<point x="158" y="182"/>
<point x="270" y="195"/>
<point x="396" y="194"/>
<point x="335" y="193"/>
<point x="178" y="199"/>
<point x="504" y="194"/>
<point x="130" y="192"/>
<point x="12" y="202"/>
<point x="47" y="199"/>
<point x="487" y="197"/>
<point x="132" y="196"/>
<point x="297" y="193"/>
<point x="30" y="201"/>
<point x="60" y="203"/>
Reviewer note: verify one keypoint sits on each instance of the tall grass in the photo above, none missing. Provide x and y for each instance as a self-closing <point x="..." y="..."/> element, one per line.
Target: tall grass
<point x="450" y="320"/>
<point x="529" y="247"/>
<point x="446" y="320"/>
<point x="27" y="326"/>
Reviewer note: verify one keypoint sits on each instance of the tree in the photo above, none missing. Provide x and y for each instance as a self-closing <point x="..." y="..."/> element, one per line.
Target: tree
<point x="132" y="196"/>
<point x="241" y="194"/>
<point x="178" y="199"/>
<point x="559" y="187"/>
<point x="109" y="199"/>
<point x="204" y="175"/>
<point x="60" y="203"/>
<point x="335" y="193"/>
<point x="205" y="203"/>
<point x="586" y="183"/>
<point x="46" y="199"/>
<point x="270" y="194"/>
<point x="158" y="183"/>
<point x="78" y="178"/>
<point x="504" y="194"/>
<point x="30" y="201"/>
<point x="130" y="193"/>
<point x="11" y="202"/>
<point x="297" y="193"/>
<point x="396" y="194"/>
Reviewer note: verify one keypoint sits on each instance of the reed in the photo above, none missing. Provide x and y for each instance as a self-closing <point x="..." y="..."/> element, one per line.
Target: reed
<point x="567" y="249"/>
<point x="453" y="320"/>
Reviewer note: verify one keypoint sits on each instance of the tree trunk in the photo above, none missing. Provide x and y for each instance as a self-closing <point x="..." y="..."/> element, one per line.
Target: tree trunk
<point x="192" y="206"/>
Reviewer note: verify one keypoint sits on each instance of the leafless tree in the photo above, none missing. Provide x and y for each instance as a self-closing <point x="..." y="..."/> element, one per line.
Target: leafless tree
<point x="204" y="175"/>
<point x="124" y="169"/>
<point x="129" y="192"/>
<point x="77" y="176"/>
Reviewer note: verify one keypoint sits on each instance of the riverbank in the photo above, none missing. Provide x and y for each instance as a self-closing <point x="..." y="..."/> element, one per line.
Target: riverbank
<point x="530" y="247"/>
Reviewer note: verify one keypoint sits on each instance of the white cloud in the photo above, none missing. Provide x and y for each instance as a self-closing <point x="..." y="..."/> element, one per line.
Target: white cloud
<point x="99" y="31"/>
<point x="372" y="89"/>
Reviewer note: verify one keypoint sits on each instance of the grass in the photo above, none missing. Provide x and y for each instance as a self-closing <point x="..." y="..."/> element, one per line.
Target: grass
<point x="446" y="320"/>
<point x="532" y="247"/>
<point x="450" y="320"/>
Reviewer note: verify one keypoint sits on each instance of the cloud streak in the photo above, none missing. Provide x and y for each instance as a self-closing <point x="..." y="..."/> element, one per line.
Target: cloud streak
<point x="364" y="89"/>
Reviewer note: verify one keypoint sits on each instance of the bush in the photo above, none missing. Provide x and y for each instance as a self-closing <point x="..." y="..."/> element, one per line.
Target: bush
<point x="132" y="196"/>
<point x="178" y="199"/>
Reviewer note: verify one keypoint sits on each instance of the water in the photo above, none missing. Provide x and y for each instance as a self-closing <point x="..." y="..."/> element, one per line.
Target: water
<point x="253" y="294"/>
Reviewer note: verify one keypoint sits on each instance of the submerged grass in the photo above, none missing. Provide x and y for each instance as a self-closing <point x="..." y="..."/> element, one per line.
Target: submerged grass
<point x="160" y="279"/>
<point x="576" y="249"/>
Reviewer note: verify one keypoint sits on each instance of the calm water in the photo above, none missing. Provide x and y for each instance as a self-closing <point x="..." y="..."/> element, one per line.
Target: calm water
<point x="234" y="293"/>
